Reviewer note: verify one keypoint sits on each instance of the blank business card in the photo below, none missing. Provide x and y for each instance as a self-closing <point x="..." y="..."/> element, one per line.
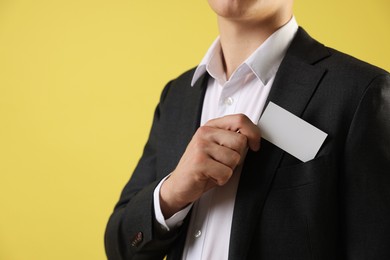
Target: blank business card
<point x="290" y="133"/>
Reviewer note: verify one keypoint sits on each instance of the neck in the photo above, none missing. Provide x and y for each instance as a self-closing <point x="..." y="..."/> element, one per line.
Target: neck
<point x="239" y="39"/>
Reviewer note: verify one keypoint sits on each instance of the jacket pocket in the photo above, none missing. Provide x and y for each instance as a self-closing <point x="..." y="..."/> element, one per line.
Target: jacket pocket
<point x="303" y="174"/>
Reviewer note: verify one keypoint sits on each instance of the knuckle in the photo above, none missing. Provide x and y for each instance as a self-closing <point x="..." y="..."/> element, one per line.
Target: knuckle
<point x="242" y="140"/>
<point x="199" y="145"/>
<point x="196" y="152"/>
<point x="200" y="176"/>
<point x="203" y="131"/>
<point x="241" y="119"/>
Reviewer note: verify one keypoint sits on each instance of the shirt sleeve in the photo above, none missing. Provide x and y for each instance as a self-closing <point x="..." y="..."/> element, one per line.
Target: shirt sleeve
<point x="176" y="220"/>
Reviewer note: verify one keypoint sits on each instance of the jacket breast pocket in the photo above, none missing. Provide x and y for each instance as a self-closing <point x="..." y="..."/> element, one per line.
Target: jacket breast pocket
<point x="302" y="174"/>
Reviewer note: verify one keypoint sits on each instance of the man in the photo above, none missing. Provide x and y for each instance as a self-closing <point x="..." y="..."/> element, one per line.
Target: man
<point x="207" y="185"/>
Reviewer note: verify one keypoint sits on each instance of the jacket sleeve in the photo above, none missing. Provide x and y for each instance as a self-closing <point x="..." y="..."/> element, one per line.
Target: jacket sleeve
<point x="132" y="232"/>
<point x="365" y="181"/>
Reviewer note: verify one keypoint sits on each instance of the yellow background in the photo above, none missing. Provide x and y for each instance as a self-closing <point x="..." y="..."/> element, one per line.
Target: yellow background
<point x="79" y="80"/>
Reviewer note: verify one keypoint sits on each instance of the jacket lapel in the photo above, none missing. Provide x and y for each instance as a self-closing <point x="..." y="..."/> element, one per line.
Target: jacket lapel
<point x="192" y="110"/>
<point x="295" y="83"/>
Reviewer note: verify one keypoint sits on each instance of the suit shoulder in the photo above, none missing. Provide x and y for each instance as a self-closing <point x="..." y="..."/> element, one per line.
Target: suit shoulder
<point x="353" y="66"/>
<point x="178" y="84"/>
<point x="185" y="78"/>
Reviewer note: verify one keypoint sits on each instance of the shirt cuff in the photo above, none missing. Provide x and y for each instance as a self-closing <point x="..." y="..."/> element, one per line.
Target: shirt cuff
<point x="176" y="220"/>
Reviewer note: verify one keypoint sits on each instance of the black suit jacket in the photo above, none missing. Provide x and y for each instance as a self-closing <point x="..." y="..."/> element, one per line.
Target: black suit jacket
<point x="336" y="206"/>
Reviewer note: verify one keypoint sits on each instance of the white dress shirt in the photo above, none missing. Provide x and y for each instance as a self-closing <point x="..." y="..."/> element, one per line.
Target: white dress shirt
<point x="244" y="92"/>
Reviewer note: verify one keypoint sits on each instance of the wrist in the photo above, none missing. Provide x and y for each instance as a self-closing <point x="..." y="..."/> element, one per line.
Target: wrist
<point x="169" y="202"/>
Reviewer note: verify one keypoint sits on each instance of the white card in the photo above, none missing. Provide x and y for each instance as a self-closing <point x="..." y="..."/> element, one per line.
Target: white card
<point x="290" y="133"/>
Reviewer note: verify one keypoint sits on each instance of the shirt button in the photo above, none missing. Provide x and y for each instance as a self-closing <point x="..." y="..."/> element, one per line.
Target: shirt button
<point x="197" y="234"/>
<point x="228" y="101"/>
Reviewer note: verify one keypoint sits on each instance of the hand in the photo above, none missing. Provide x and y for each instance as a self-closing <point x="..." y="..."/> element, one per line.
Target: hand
<point x="215" y="150"/>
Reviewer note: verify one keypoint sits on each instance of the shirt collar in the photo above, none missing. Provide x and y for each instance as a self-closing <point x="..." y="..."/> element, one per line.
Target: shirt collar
<point x="264" y="61"/>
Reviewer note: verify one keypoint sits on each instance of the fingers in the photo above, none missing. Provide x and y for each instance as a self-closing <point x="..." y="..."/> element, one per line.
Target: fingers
<point x="224" y="155"/>
<point x="239" y="123"/>
<point x="226" y="138"/>
<point x="218" y="172"/>
<point x="203" y="150"/>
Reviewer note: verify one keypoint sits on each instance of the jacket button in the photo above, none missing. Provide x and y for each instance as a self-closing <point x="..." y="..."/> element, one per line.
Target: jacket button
<point x="137" y="239"/>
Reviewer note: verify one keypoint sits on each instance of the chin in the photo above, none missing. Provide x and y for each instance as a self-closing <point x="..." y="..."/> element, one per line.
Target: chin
<point x="228" y="8"/>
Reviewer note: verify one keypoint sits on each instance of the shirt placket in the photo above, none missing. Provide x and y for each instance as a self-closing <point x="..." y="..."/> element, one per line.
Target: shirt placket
<point x="229" y="98"/>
